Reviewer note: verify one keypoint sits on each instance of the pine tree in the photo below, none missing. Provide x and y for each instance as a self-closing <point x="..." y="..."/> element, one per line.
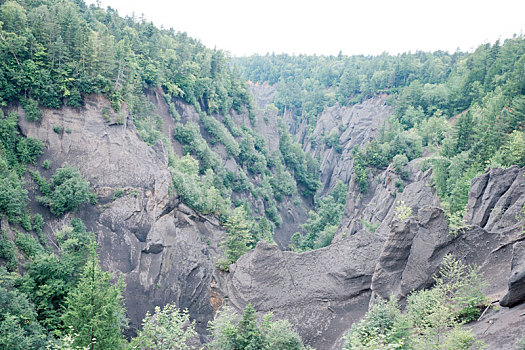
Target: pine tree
<point x="249" y="336"/>
<point x="95" y="308"/>
<point x="237" y="239"/>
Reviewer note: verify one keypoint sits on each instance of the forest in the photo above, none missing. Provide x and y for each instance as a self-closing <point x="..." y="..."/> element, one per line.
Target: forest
<point x="462" y="113"/>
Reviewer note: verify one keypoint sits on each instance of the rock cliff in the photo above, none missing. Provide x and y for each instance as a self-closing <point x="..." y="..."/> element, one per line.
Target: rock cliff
<point x="167" y="252"/>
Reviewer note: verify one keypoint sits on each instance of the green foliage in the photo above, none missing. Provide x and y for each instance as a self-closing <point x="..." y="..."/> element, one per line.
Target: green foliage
<point x="199" y="192"/>
<point x="50" y="277"/>
<point x="95" y="308"/>
<point x="19" y="328"/>
<point x="68" y="190"/>
<point x="219" y="133"/>
<point x="168" y="328"/>
<point x="29" y="149"/>
<point x="237" y="239"/>
<point x="360" y="170"/>
<point x="305" y="169"/>
<point x="231" y="333"/>
<point x="322" y="224"/>
<point x="13" y="196"/>
<point x="402" y="211"/>
<point x="33" y="114"/>
<point x="43" y="185"/>
<point x="38" y="223"/>
<point x="432" y="318"/>
<point x="400" y="162"/>
<point x="520" y="343"/>
<point x="512" y="152"/>
<point x="369" y="226"/>
<point x="30" y="246"/>
<point x="383" y="327"/>
<point x="56" y="52"/>
<point x="7" y="252"/>
<point x="332" y="141"/>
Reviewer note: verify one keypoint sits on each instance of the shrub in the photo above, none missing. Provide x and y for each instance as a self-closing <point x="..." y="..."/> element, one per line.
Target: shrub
<point x="69" y="190"/>
<point x="230" y="332"/>
<point x="29" y="149"/>
<point x="13" y="196"/>
<point x="46" y="164"/>
<point x="30" y="106"/>
<point x="432" y="318"/>
<point x="167" y="328"/>
<point x="28" y="244"/>
<point x="402" y="211"/>
<point x="7" y="251"/>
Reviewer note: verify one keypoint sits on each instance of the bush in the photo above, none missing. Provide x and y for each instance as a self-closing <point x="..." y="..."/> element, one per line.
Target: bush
<point x="231" y="332"/>
<point x="402" y="211"/>
<point x="7" y="251"/>
<point x="13" y="196"/>
<point x="69" y="190"/>
<point x="30" y="106"/>
<point x="46" y="164"/>
<point x="28" y="244"/>
<point x="168" y="328"/>
<point x="29" y="149"/>
<point x="432" y="318"/>
<point x="383" y="327"/>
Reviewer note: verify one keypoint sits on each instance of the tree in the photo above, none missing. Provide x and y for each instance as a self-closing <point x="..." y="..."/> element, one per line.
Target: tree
<point x="237" y="239"/>
<point x="231" y="333"/>
<point x="166" y="329"/>
<point x="95" y="308"/>
<point x="19" y="328"/>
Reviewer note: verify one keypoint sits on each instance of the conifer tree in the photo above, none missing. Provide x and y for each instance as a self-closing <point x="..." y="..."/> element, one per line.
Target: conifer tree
<point x="95" y="308"/>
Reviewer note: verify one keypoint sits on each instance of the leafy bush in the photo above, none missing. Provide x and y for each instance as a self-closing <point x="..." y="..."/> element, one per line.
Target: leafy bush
<point x="402" y="211"/>
<point x="199" y="192"/>
<point x="13" y="196"/>
<point x="46" y="164"/>
<point x="237" y="239"/>
<point x="68" y="191"/>
<point x="29" y="149"/>
<point x="28" y="244"/>
<point x="383" y="327"/>
<point x="19" y="328"/>
<point x="30" y="106"/>
<point x="231" y="333"/>
<point x="322" y="224"/>
<point x="7" y="251"/>
<point x="168" y="328"/>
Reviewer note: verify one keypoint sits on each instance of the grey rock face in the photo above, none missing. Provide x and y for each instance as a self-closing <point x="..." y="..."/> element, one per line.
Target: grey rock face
<point x="355" y="125"/>
<point x="516" y="293"/>
<point x="164" y="250"/>
<point x="398" y="257"/>
<point x="318" y="291"/>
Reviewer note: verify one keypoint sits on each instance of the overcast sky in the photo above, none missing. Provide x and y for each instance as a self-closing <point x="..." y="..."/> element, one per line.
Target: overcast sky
<point x="325" y="27"/>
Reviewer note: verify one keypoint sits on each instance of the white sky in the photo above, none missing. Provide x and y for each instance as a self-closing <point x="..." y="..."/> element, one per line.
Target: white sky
<point x="244" y="27"/>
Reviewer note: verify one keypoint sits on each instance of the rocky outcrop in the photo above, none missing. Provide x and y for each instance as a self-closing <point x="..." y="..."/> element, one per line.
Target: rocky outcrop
<point x="516" y="291"/>
<point x="318" y="291"/>
<point x="333" y="285"/>
<point x="164" y="250"/>
<point x="355" y="125"/>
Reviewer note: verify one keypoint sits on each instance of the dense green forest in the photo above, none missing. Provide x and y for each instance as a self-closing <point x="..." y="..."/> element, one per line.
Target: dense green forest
<point x="464" y="111"/>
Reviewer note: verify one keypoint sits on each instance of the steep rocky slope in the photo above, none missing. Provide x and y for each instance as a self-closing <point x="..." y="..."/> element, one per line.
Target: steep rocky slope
<point x="375" y="254"/>
<point x="167" y="252"/>
<point x="164" y="250"/>
<point x="324" y="291"/>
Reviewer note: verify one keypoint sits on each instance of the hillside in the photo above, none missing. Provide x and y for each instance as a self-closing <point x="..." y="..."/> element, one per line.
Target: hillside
<point x="306" y="186"/>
